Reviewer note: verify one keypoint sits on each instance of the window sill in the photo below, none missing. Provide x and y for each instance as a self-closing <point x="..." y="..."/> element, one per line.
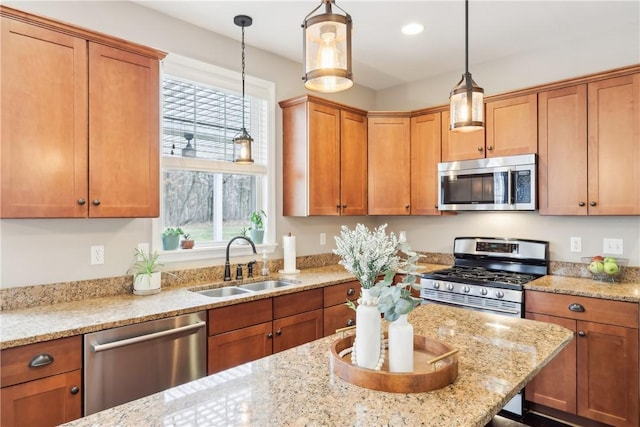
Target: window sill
<point x="213" y="252"/>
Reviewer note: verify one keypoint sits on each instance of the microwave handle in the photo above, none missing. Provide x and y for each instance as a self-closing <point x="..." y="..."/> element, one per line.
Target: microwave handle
<point x="510" y="194"/>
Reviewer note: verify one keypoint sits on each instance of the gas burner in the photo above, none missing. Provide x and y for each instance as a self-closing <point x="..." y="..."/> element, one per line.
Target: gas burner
<point x="482" y="276"/>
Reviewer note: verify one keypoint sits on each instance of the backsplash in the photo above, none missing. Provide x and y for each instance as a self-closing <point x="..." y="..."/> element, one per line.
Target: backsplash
<point x="40" y="295"/>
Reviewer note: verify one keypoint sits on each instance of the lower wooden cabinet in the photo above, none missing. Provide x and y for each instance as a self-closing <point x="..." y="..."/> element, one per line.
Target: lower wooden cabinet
<point x="41" y="383"/>
<point x="336" y="313"/>
<point x="249" y="331"/>
<point x="596" y="375"/>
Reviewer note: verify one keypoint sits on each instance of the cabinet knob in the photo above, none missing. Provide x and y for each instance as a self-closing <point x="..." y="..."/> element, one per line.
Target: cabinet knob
<point x="480" y="148"/>
<point x="42" y="359"/>
<point x="576" y="307"/>
<point x="351" y="291"/>
<point x="406" y="207"/>
<point x="490" y="148"/>
<point x="582" y="333"/>
<point x="270" y="335"/>
<point x="74" y="390"/>
<point x="96" y="202"/>
<point x="279" y="332"/>
<point x="592" y="203"/>
<point x="351" y="322"/>
<point x="581" y="203"/>
<point x="344" y="206"/>
<point x="81" y="202"/>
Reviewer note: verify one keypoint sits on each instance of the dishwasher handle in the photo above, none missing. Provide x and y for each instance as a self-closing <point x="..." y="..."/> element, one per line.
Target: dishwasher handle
<point x="115" y="344"/>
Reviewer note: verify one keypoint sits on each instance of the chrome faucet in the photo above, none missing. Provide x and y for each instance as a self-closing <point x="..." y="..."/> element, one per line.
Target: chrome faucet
<point x="227" y="266"/>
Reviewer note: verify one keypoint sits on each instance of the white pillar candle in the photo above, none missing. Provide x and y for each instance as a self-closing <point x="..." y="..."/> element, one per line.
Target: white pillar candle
<point x="289" y="246"/>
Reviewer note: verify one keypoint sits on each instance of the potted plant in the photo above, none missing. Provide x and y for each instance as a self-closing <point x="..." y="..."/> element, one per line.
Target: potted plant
<point x="146" y="277"/>
<point x="257" y="226"/>
<point x="187" y="242"/>
<point x="171" y="238"/>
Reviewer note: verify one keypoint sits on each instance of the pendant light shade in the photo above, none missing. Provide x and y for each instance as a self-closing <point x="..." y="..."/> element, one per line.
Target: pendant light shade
<point x="466" y="99"/>
<point x="243" y="140"/>
<point x="327" y="50"/>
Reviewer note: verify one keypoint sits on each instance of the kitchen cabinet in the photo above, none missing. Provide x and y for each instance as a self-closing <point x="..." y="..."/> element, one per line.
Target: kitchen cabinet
<point x="324" y="158"/>
<point x="425" y="156"/>
<point x="46" y="376"/>
<point x="596" y="376"/>
<point x="80" y="134"/>
<point x="248" y="331"/>
<point x="510" y="129"/>
<point x="594" y="128"/>
<point x="336" y="313"/>
<point x="389" y="148"/>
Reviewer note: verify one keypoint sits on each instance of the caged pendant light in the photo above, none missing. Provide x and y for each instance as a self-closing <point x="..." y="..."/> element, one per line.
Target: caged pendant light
<point x="327" y="50"/>
<point x="466" y="108"/>
<point x="243" y="139"/>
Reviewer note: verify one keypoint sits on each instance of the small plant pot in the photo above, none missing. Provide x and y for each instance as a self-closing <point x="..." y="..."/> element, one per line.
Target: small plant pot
<point x="257" y="236"/>
<point x="170" y="243"/>
<point x="187" y="244"/>
<point x="147" y="284"/>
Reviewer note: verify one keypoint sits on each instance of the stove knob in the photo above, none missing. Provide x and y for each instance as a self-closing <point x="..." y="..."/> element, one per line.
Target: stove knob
<point x="436" y="285"/>
<point x="450" y="286"/>
<point x="499" y="294"/>
<point x="466" y="289"/>
<point x="483" y="291"/>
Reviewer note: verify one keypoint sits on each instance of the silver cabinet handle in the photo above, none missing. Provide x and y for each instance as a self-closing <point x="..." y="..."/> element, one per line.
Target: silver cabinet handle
<point x="148" y="337"/>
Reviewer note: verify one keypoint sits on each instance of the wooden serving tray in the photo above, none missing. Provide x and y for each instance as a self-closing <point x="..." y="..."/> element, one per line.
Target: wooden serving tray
<point x="425" y="377"/>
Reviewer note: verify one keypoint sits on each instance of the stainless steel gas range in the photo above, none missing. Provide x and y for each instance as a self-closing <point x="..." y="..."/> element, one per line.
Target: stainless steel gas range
<point x="488" y="275"/>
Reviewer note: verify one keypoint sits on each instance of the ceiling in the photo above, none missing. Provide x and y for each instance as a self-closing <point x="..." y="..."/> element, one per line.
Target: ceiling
<point x="384" y="57"/>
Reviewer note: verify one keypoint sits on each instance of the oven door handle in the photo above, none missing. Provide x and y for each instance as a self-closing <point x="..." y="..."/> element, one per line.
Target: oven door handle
<point x="501" y="310"/>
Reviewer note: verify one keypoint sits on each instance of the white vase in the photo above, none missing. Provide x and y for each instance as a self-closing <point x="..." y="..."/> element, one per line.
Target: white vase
<point x="401" y="345"/>
<point x="368" y="353"/>
<point x="147" y="284"/>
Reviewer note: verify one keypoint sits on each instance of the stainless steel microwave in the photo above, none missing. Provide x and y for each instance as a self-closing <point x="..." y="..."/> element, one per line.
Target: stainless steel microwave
<point x="493" y="184"/>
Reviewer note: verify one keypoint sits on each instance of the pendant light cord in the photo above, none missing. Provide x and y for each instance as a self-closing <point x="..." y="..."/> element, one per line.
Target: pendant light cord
<point x="466" y="38"/>
<point x="243" y="77"/>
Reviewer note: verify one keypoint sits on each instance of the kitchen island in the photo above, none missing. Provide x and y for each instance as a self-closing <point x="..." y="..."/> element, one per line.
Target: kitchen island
<point x="498" y="356"/>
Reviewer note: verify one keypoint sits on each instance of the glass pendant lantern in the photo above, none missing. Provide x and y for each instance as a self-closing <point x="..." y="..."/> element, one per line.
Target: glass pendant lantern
<point x="243" y="140"/>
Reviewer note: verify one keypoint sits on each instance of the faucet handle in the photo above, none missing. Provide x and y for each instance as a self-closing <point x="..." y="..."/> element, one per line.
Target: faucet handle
<point x="250" y="268"/>
<point x="239" y="272"/>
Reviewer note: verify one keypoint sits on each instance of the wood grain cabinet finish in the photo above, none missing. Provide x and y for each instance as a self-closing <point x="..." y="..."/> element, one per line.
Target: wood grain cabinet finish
<point x="389" y="163"/>
<point x="248" y="331"/>
<point x="589" y="148"/>
<point x="336" y="313"/>
<point x="425" y="156"/>
<point x="41" y="383"/>
<point x="460" y="145"/>
<point x="512" y="126"/>
<point x="324" y="158"/>
<point x="80" y="122"/>
<point x="596" y="376"/>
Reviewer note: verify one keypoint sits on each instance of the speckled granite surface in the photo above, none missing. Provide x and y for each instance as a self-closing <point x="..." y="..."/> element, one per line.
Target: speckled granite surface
<point x="587" y="288"/>
<point x="297" y="387"/>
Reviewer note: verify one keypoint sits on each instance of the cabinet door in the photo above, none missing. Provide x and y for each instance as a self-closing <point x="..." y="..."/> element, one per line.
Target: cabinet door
<point x="50" y="401"/>
<point x="337" y="317"/>
<point x="555" y="385"/>
<point x="295" y="330"/>
<point x="324" y="159"/>
<point x="512" y="126"/>
<point x="425" y="155"/>
<point x="562" y="157"/>
<point x="43" y="142"/>
<point x="460" y="145"/>
<point x="614" y="146"/>
<point x="389" y="165"/>
<point x="608" y="373"/>
<point x="123" y="133"/>
<point x="353" y="163"/>
<point x="237" y="347"/>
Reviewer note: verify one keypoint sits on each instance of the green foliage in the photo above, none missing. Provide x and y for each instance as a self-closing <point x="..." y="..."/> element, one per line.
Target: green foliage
<point x="172" y="231"/>
<point x="257" y="219"/>
<point x="186" y="236"/>
<point x="145" y="264"/>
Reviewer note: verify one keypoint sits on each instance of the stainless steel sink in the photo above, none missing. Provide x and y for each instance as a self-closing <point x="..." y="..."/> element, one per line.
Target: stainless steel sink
<point x="264" y="285"/>
<point x="223" y="292"/>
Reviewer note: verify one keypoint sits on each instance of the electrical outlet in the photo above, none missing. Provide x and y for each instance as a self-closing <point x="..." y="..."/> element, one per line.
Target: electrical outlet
<point x="323" y="238"/>
<point x="97" y="255"/>
<point x="612" y="246"/>
<point x="576" y="244"/>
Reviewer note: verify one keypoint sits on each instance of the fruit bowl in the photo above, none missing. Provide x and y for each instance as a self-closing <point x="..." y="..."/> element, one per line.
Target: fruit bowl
<point x="604" y="268"/>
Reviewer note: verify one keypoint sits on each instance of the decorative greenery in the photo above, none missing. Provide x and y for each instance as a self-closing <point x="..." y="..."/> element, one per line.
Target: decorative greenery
<point x="368" y="255"/>
<point x="172" y="231"/>
<point x="186" y="236"/>
<point x="145" y="264"/>
<point x="245" y="231"/>
<point x="257" y="219"/>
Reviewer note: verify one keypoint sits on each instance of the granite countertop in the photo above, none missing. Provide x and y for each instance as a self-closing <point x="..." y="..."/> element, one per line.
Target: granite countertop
<point x="498" y="356"/>
<point x="579" y="286"/>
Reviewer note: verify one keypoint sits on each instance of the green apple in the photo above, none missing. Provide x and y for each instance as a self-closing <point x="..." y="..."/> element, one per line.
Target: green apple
<point x="610" y="268"/>
<point x="609" y="259"/>
<point x="596" y="267"/>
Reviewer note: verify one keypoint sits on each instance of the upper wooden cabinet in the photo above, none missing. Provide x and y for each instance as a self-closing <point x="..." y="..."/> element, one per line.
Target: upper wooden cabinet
<point x="589" y="148"/>
<point x="389" y="163"/>
<point x="80" y="122"/>
<point x="510" y="126"/>
<point x="324" y="158"/>
<point x="425" y="155"/>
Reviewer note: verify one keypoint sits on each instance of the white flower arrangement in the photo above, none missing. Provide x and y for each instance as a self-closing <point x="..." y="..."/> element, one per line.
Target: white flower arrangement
<point x="368" y="255"/>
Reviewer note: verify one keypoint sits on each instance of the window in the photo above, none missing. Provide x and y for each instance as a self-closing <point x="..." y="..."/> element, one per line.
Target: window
<point x="204" y="192"/>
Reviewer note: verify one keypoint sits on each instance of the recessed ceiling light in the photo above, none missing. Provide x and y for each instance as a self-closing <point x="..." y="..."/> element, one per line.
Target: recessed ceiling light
<point x="412" y="28"/>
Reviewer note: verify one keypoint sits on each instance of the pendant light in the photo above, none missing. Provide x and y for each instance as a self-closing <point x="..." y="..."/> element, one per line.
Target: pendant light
<point x="243" y="139"/>
<point x="466" y="108"/>
<point x="327" y="50"/>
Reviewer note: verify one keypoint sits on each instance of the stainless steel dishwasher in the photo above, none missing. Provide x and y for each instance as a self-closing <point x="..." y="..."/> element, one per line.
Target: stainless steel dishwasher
<point x="129" y="362"/>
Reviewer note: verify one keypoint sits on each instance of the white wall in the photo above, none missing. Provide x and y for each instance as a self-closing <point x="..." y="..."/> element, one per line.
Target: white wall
<point x="57" y="250"/>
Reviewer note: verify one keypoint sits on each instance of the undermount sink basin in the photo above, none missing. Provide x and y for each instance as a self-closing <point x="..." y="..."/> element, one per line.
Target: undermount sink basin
<point x="267" y="284"/>
<point x="223" y="292"/>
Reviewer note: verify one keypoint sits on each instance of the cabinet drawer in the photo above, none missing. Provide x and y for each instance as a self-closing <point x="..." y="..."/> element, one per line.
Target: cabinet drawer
<point x="595" y="310"/>
<point x="337" y="317"/>
<point x="238" y="316"/>
<point x="338" y="294"/>
<point x="65" y="355"/>
<point x="299" y="302"/>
